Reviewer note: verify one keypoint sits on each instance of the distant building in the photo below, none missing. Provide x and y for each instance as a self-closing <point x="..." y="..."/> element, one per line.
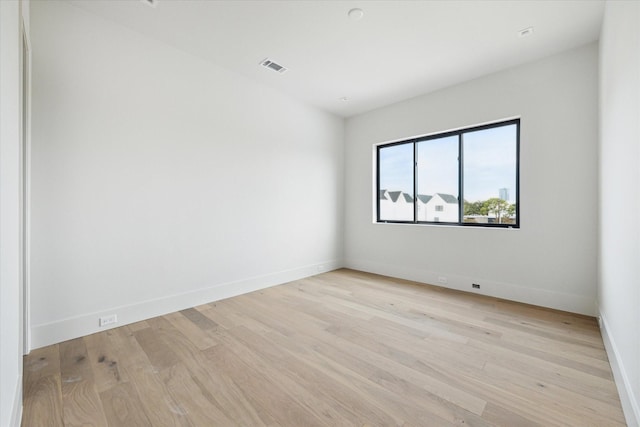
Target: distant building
<point x="504" y="194"/>
<point x="398" y="206"/>
<point x="440" y="207"/>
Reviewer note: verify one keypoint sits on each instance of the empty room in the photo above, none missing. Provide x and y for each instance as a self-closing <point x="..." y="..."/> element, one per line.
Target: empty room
<point x="319" y="213"/>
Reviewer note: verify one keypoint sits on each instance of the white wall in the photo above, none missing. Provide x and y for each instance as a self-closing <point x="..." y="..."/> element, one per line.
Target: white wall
<point x="161" y="181"/>
<point x="619" y="272"/>
<point x="551" y="260"/>
<point x="10" y="211"/>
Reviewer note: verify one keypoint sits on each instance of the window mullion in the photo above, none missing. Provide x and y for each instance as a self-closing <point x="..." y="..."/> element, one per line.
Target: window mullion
<point x="377" y="195"/>
<point x="415" y="185"/>
<point x="460" y="179"/>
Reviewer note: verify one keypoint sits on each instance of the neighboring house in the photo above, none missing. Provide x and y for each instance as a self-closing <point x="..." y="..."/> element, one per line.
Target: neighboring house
<point x="423" y="201"/>
<point x="440" y="208"/>
<point x="398" y="206"/>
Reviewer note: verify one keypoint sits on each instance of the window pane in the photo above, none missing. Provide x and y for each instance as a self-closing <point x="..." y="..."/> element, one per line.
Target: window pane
<point x="438" y="180"/>
<point x="396" y="182"/>
<point x="490" y="165"/>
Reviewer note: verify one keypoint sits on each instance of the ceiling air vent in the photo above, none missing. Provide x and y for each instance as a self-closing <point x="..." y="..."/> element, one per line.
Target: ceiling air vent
<point x="272" y="65"/>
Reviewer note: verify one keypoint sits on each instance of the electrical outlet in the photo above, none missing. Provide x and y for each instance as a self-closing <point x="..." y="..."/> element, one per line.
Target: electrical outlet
<point x="443" y="279"/>
<point x="108" y="320"/>
<point x="475" y="286"/>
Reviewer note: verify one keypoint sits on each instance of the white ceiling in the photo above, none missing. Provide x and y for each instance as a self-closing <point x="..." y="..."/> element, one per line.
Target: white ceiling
<point x="398" y="50"/>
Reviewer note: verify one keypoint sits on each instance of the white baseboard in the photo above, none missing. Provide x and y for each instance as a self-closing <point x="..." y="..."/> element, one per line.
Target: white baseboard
<point x="627" y="399"/>
<point x="86" y="324"/>
<point x="508" y="291"/>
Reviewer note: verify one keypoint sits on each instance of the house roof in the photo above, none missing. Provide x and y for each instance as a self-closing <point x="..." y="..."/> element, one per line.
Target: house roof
<point x="394" y="195"/>
<point x="448" y="198"/>
<point x="424" y="198"/>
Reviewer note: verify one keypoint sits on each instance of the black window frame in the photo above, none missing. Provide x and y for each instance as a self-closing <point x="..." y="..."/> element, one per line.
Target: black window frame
<point x="460" y="134"/>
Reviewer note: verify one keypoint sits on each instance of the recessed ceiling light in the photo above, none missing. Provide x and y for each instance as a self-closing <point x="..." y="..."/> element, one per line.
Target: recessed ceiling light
<point x="151" y="3"/>
<point x="355" y="14"/>
<point x="343" y="99"/>
<point x="526" y="32"/>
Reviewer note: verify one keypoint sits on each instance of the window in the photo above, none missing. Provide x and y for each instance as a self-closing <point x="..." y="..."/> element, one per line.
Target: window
<point x="423" y="177"/>
<point x="395" y="183"/>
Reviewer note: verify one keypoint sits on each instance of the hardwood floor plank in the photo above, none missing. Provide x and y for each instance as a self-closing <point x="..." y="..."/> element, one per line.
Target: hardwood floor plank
<point x="280" y="370"/>
<point x="199" y="319"/>
<point x="589" y="354"/>
<point x="40" y="363"/>
<point x="341" y="348"/>
<point x="160" y="355"/>
<point x="104" y="362"/>
<point x="43" y="405"/>
<point x="497" y="415"/>
<point x="42" y="391"/>
<point x="159" y="407"/>
<point x="379" y="380"/>
<point x="376" y="392"/>
<point x="138" y="326"/>
<point x="198" y="403"/>
<point x="345" y="389"/>
<point x="122" y="406"/>
<point x="279" y="408"/>
<point x="225" y="320"/>
<point x="219" y="389"/>
<point x="577" y="407"/>
<point x="124" y="344"/>
<point x="501" y="347"/>
<point x="349" y="349"/>
<point x="81" y="403"/>
<point x="200" y="338"/>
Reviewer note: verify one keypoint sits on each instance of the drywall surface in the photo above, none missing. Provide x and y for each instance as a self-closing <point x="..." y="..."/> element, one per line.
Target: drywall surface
<point x="551" y="260"/>
<point x="619" y="272"/>
<point x="162" y="181"/>
<point x="11" y="349"/>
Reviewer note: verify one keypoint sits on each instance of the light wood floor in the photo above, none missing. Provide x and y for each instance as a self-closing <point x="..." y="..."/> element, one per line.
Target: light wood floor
<point x="340" y="349"/>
